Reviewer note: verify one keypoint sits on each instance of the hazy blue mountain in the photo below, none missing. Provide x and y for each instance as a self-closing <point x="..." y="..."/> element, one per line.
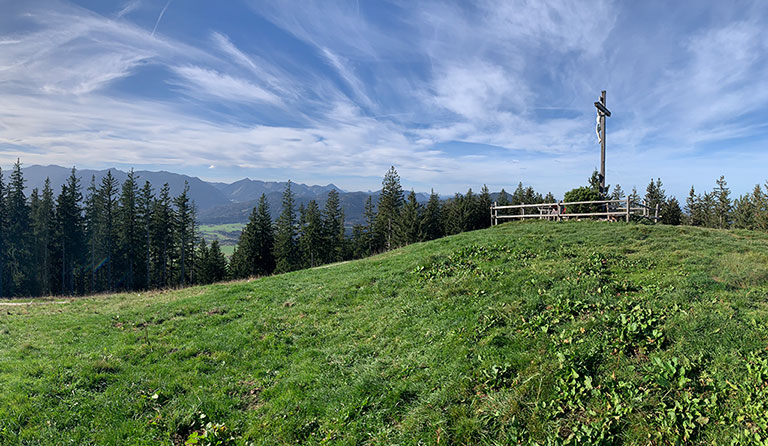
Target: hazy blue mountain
<point x="216" y="202"/>
<point x="204" y="194"/>
<point x="246" y="190"/>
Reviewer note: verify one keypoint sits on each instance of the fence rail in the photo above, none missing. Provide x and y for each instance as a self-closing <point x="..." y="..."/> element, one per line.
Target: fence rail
<point x="611" y="209"/>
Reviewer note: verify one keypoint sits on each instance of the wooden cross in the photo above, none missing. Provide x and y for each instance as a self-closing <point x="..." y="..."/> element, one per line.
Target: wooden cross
<point x="602" y="112"/>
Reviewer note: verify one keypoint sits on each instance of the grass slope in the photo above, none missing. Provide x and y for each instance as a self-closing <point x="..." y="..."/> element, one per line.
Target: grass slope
<point x="574" y="332"/>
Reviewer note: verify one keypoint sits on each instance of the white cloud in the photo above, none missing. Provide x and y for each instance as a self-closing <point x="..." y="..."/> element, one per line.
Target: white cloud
<point x="203" y="82"/>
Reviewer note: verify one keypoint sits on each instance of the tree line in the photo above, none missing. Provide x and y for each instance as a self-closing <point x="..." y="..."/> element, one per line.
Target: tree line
<point x="129" y="236"/>
<point x="111" y="237"/>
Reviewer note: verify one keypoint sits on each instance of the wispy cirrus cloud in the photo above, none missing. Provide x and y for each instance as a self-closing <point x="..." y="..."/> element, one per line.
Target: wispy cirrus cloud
<point x="452" y="93"/>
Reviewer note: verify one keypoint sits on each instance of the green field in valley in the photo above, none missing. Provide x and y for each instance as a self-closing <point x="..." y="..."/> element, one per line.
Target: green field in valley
<point x="227" y="235"/>
<point x="529" y="333"/>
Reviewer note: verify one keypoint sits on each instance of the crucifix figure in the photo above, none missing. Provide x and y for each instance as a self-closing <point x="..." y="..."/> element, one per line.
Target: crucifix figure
<point x="602" y="112"/>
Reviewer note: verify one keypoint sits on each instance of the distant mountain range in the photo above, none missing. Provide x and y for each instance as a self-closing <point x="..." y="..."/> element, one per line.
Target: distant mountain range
<point x="217" y="203"/>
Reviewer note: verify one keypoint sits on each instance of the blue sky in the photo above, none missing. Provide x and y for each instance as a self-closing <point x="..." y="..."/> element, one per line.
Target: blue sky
<point x="454" y="94"/>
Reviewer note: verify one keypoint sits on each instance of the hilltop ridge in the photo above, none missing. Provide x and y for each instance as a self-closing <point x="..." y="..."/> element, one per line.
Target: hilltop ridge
<point x="569" y="333"/>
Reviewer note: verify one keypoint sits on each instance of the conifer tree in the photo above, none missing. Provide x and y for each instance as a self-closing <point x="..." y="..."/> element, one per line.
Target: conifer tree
<point x="411" y="219"/>
<point x="129" y="232"/>
<point x="655" y="194"/>
<point x="216" y="263"/>
<point x="671" y="214"/>
<point x="389" y="209"/>
<point x="484" y="208"/>
<point x="18" y="252"/>
<point x="91" y="229"/>
<point x="3" y="235"/>
<point x="286" y="249"/>
<point x="201" y="273"/>
<point x="70" y="236"/>
<point x="333" y="228"/>
<point x="518" y="196"/>
<point x="107" y="228"/>
<point x="370" y="240"/>
<point x="744" y="212"/>
<point x="760" y="203"/>
<point x="184" y="229"/>
<point x="722" y="195"/>
<point x="145" y="205"/>
<point x="617" y="193"/>
<point x="431" y="225"/>
<point x="254" y="254"/>
<point x="311" y="234"/>
<point x="550" y="198"/>
<point x="503" y="198"/>
<point x="162" y="236"/>
<point x="468" y="215"/>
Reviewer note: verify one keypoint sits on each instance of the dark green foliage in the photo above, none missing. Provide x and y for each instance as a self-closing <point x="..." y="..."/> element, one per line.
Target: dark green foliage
<point x="69" y="247"/>
<point x="18" y="242"/>
<point x="254" y="256"/>
<point x="287" y="256"/>
<point x="655" y="195"/>
<point x="389" y="209"/>
<point x="431" y="226"/>
<point x="130" y="236"/>
<point x="311" y="235"/>
<point x="334" y="242"/>
<point x="210" y="263"/>
<point x="503" y="198"/>
<point x="411" y="219"/>
<point x="671" y="214"/>
<point x="162" y="238"/>
<point x="582" y="194"/>
<point x="184" y="231"/>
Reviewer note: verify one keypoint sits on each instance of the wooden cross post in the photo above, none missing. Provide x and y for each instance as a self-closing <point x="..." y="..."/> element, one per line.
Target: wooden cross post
<point x="602" y="112"/>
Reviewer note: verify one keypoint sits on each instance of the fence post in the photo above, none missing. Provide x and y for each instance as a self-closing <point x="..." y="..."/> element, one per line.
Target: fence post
<point x="559" y="207"/>
<point x="493" y="210"/>
<point x="627" y="208"/>
<point x="656" y="215"/>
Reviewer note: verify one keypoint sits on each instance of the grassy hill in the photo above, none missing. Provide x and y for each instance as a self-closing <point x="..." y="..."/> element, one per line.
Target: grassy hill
<point x="574" y="332"/>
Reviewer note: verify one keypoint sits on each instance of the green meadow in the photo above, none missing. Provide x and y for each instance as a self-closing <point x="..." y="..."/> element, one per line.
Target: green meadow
<point x="526" y="333"/>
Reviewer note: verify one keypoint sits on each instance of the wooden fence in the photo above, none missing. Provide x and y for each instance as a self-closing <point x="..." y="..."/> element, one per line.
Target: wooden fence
<point x="611" y="210"/>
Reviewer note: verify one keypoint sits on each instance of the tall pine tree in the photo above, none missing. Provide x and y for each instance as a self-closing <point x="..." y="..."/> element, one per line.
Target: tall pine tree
<point x="286" y="249"/>
<point x="390" y="206"/>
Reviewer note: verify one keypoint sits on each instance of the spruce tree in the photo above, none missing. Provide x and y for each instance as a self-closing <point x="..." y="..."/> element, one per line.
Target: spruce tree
<point x="671" y="214"/>
<point x="431" y="225"/>
<point x="311" y="234"/>
<point x="760" y="203"/>
<point x="389" y="209"/>
<point x="286" y="249"/>
<point x="201" y="271"/>
<point x="107" y="228"/>
<point x="3" y="236"/>
<point x="371" y="240"/>
<point x="216" y="263"/>
<point x="18" y="242"/>
<point x="744" y="212"/>
<point x="162" y="237"/>
<point x="184" y="229"/>
<point x="91" y="229"/>
<point x="411" y="219"/>
<point x="145" y="205"/>
<point x="518" y="196"/>
<point x="254" y="252"/>
<point x="333" y="229"/>
<point x="70" y="236"/>
<point x="129" y="232"/>
<point x="503" y="198"/>
<point x="722" y="195"/>
<point x="692" y="210"/>
<point x="484" y="208"/>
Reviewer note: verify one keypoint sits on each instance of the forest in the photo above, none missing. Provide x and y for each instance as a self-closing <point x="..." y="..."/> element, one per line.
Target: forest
<point x="131" y="236"/>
